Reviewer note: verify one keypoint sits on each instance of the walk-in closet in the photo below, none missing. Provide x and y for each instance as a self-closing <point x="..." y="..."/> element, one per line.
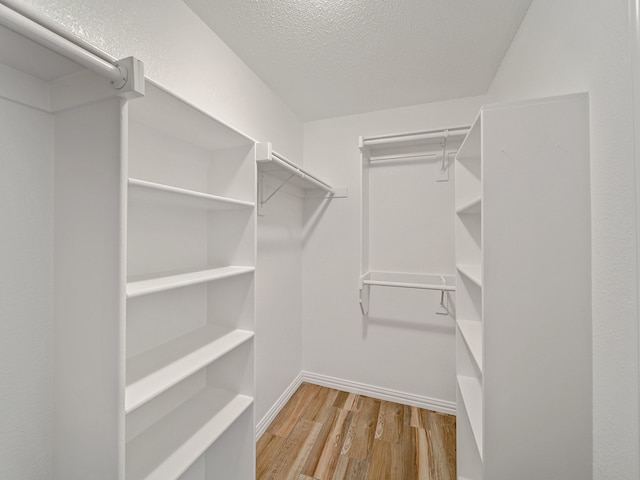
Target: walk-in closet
<point x="321" y="240"/>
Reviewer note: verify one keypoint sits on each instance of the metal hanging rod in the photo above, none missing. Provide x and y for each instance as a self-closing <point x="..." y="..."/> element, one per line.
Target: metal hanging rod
<point x="32" y="24"/>
<point x="294" y="169"/>
<point x="413" y="136"/>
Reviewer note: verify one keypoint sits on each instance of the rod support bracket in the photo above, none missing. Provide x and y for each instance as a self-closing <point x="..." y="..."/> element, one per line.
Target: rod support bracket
<point x="132" y="84"/>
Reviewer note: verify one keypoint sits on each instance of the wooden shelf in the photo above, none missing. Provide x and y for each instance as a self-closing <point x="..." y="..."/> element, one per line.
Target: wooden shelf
<point x="168" y="447"/>
<point x="143" y="285"/>
<point x="472" y="272"/>
<point x="166" y="194"/>
<point x="152" y="372"/>
<point x="471" y="207"/>
<point x="471" y="392"/>
<point x="472" y="333"/>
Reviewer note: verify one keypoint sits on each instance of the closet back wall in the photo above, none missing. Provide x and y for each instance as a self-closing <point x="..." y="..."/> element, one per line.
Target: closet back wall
<point x="405" y="356"/>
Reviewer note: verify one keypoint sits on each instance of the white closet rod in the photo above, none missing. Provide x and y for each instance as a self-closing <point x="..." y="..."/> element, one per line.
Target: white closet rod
<point x="412" y="136"/>
<point x="30" y="23"/>
<point x="284" y="163"/>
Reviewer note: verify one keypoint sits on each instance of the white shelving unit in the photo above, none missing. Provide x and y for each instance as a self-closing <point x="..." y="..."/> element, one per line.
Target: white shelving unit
<point x="190" y="293"/>
<point x="523" y="344"/>
<point x="408" y="171"/>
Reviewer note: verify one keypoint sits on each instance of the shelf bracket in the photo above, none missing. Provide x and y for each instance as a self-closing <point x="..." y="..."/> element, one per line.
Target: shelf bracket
<point x="263" y="201"/>
<point x="443" y="299"/>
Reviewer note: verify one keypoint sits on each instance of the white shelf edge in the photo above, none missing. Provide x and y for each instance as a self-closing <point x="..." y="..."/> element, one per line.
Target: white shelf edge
<point x="471" y="392"/>
<point x="190" y="353"/>
<point x="174" y="439"/>
<point x="167" y="282"/>
<point x="470" y="207"/>
<point x="472" y="272"/>
<point x="266" y="156"/>
<point x="472" y="334"/>
<point x="194" y="198"/>
<point x="410" y="280"/>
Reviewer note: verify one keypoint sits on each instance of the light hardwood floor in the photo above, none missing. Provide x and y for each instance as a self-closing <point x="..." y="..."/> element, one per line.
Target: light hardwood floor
<point x="326" y="434"/>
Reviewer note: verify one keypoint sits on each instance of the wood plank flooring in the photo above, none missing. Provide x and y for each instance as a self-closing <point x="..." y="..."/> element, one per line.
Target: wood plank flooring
<point x="326" y="434"/>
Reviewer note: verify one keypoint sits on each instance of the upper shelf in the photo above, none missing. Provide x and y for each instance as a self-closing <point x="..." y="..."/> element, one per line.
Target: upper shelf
<point x="278" y="166"/>
<point x="157" y="192"/>
<point x="424" y="281"/>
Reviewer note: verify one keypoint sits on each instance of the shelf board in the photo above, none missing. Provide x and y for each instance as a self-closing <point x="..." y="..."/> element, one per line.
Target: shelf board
<point x="175" y="196"/>
<point x="472" y="272"/>
<point x="472" y="333"/>
<point x="425" y="281"/>
<point x="277" y="166"/>
<point x="471" y="207"/>
<point x="168" y="447"/>
<point x="151" y="373"/>
<point x="471" y="392"/>
<point x="146" y="284"/>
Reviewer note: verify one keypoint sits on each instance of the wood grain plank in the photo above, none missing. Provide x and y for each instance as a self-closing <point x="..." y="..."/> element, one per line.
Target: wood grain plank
<point x="285" y="461"/>
<point x="346" y="401"/>
<point x="362" y="430"/>
<point x="286" y="420"/>
<point x="390" y="422"/>
<point x="320" y="405"/>
<point x="267" y="449"/>
<point x="322" y="461"/>
<point x="348" y="468"/>
<point x="380" y="461"/>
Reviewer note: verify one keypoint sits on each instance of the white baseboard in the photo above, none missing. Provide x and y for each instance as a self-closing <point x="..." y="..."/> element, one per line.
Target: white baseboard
<point x="380" y="393"/>
<point x="262" y="425"/>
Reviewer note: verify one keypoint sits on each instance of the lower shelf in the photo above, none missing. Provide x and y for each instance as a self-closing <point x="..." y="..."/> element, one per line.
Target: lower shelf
<point x="166" y="449"/>
<point x="471" y="392"/>
<point x="158" y="369"/>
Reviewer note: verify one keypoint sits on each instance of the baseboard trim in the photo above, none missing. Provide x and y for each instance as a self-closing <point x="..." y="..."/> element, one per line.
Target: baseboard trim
<point x="264" y="423"/>
<point x="380" y="393"/>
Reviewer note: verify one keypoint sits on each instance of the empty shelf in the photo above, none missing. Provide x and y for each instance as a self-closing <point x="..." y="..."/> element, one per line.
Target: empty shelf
<point x="166" y="194"/>
<point x="472" y="207"/>
<point x="471" y="392"/>
<point x="472" y="333"/>
<point x="278" y="166"/>
<point x="144" y="285"/>
<point x="168" y="447"/>
<point x="425" y="281"/>
<point x="152" y="372"/>
<point x="472" y="272"/>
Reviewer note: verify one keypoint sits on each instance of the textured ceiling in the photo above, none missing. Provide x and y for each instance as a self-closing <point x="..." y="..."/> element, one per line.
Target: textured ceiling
<point x="328" y="58"/>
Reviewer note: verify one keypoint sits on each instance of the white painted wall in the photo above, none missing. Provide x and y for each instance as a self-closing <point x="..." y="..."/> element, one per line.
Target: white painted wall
<point x="278" y="297"/>
<point x="402" y="352"/>
<point x="570" y="46"/>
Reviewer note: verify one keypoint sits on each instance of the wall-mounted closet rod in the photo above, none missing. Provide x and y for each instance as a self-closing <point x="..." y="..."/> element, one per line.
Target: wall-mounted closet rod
<point x="30" y="23"/>
<point x="413" y="156"/>
<point x="413" y="136"/>
<point x="284" y="163"/>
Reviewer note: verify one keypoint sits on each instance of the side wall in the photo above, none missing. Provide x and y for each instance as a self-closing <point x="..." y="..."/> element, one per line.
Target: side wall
<point x="571" y="46"/>
<point x="415" y="357"/>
